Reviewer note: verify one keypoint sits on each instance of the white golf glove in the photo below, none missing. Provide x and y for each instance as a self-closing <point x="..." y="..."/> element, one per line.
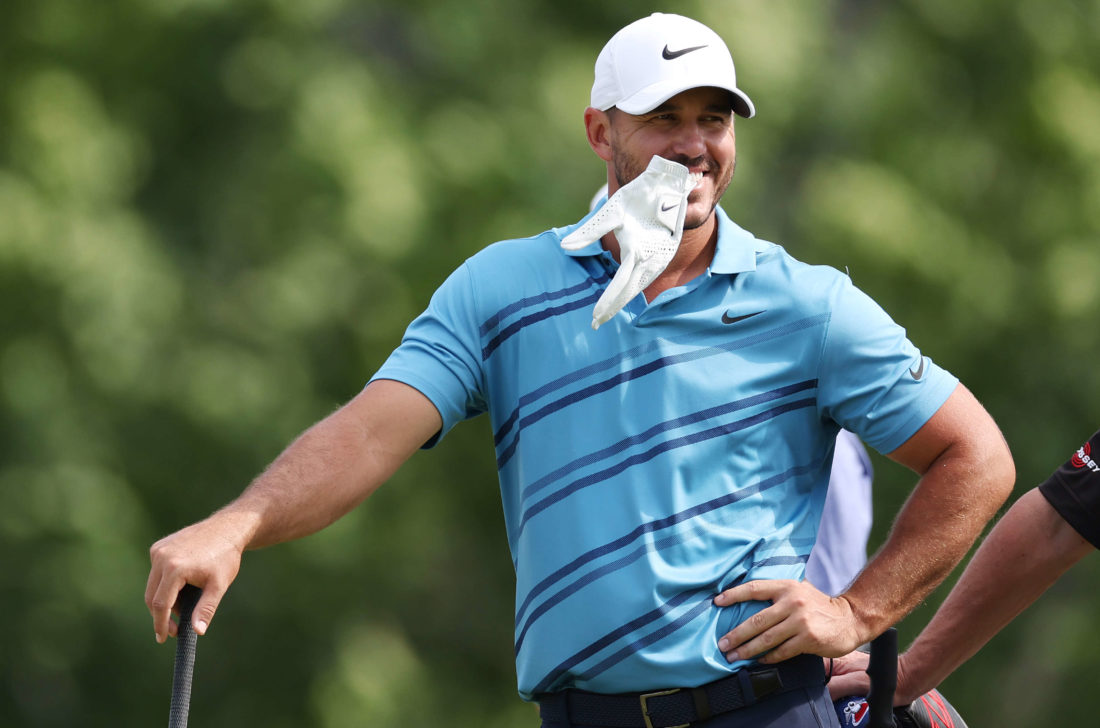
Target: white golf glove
<point x="647" y="215"/>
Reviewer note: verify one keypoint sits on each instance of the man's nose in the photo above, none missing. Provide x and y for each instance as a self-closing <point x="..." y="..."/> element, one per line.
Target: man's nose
<point x="688" y="141"/>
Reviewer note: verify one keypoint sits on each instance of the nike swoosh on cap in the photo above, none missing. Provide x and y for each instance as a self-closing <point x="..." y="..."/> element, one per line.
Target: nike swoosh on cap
<point x="669" y="207"/>
<point x="727" y="319"/>
<point x="670" y="55"/>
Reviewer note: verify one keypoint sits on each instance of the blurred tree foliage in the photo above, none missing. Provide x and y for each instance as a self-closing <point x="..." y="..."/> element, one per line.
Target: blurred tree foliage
<point x="216" y="219"/>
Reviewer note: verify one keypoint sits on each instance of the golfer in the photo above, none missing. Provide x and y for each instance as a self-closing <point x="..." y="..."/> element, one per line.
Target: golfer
<point x="662" y="475"/>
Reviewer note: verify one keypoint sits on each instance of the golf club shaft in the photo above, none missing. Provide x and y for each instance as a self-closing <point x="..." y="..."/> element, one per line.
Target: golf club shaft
<point x="883" y="671"/>
<point x="186" y="640"/>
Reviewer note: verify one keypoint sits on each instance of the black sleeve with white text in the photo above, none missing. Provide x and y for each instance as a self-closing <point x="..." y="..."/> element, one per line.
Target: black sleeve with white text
<point x="1074" y="490"/>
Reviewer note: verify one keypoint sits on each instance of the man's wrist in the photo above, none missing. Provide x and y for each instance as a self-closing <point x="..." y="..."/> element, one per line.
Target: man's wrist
<point x="906" y="692"/>
<point x="238" y="525"/>
<point x="863" y="632"/>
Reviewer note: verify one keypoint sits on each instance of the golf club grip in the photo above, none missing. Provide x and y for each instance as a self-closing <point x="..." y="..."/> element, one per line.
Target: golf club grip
<point x="883" y="671"/>
<point x="186" y="641"/>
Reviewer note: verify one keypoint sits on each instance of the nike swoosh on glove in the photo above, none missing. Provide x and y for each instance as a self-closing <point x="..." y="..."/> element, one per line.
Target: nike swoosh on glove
<point x="647" y="217"/>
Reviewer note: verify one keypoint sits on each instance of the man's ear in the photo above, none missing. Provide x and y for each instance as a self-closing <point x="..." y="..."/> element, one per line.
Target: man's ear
<point x="597" y="126"/>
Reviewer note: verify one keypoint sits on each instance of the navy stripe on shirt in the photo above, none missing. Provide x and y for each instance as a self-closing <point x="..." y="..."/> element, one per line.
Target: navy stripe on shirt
<point x="666" y="426"/>
<point x="658" y="525"/>
<point x="493" y="321"/>
<point x="584" y="373"/>
<point x="589" y="578"/>
<point x="689" y="339"/>
<point x="620" y="632"/>
<point x="621" y="563"/>
<point x="637" y="372"/>
<point x="705" y="597"/>
<point x="661" y="447"/>
<point x="642" y="642"/>
<point x="514" y="327"/>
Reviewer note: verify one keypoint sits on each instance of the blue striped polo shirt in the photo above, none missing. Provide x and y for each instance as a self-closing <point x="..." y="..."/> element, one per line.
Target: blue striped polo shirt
<point x="681" y="449"/>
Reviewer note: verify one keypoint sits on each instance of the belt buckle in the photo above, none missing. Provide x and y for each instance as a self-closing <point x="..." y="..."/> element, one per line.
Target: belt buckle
<point x="645" y="707"/>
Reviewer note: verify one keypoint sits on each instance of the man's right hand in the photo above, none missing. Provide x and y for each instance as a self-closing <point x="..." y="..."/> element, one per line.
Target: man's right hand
<point x="206" y="554"/>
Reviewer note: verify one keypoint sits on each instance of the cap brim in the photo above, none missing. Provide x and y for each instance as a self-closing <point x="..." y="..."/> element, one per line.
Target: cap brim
<point x="742" y="104"/>
<point x="653" y="96"/>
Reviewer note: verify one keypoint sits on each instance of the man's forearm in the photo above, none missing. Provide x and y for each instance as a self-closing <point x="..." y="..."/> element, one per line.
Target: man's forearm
<point x="325" y="473"/>
<point x="955" y="498"/>
<point x="317" y="479"/>
<point x="1022" y="556"/>
<point x="334" y="465"/>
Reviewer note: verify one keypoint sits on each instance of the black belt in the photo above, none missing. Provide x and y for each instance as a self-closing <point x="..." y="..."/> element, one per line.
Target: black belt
<point x="680" y="707"/>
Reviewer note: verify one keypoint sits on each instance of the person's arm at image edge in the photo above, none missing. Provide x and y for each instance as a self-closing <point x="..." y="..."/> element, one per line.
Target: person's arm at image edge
<point x="327" y="471"/>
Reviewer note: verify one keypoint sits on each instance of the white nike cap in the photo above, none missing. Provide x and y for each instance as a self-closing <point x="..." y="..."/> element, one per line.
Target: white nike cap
<point x="653" y="59"/>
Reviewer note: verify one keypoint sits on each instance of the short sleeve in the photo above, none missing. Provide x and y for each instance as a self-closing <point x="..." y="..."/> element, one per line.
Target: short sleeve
<point x="873" y="379"/>
<point x="440" y="354"/>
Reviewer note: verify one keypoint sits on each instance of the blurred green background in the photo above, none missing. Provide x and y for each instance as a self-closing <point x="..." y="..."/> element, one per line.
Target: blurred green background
<point x="217" y="218"/>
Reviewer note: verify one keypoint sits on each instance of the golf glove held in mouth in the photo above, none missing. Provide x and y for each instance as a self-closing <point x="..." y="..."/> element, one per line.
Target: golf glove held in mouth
<point x="647" y="217"/>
